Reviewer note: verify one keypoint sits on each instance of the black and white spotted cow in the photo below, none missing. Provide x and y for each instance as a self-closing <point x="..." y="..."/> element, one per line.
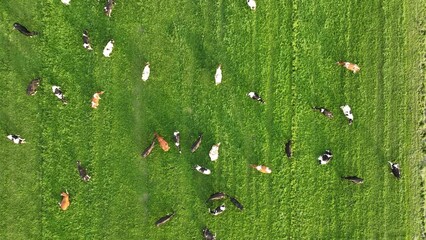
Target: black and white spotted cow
<point x="108" y="7"/>
<point x="86" y="41"/>
<point x="255" y="96"/>
<point x="58" y="93"/>
<point x="202" y="170"/>
<point x="218" y="210"/>
<point x="324" y="111"/>
<point x="348" y="113"/>
<point x="396" y="169"/>
<point x="325" y="157"/>
<point x="16" y="139"/>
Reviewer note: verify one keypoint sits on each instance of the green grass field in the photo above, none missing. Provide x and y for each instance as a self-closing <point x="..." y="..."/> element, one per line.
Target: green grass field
<point x="285" y="50"/>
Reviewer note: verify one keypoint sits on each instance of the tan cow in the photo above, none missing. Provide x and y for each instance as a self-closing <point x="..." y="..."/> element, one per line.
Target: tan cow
<point x="350" y="66"/>
<point x="95" y="99"/>
<point x="65" y="203"/>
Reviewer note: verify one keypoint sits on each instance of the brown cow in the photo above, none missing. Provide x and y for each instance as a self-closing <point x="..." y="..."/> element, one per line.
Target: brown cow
<point x="163" y="144"/>
<point x="350" y="66"/>
<point x="65" y="203"/>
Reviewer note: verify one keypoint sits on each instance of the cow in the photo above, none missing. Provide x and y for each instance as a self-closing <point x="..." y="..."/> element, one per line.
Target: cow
<point x="65" y="203"/>
<point x="325" y="157"/>
<point x="95" y="99"/>
<point x="217" y="196"/>
<point x="324" y="111"/>
<point x="32" y="87"/>
<point x="202" y="170"/>
<point x="24" y="30"/>
<point x="58" y="93"/>
<point x="108" y="48"/>
<point x="348" y="113"/>
<point x="236" y="203"/>
<point x="261" y="168"/>
<point x="208" y="235"/>
<point x="148" y="150"/>
<point x="108" y="7"/>
<point x="176" y="138"/>
<point x="16" y="139"/>
<point x="163" y="144"/>
<point x="164" y="219"/>
<point x="146" y="71"/>
<point x="350" y="66"/>
<point x="83" y="172"/>
<point x="255" y="96"/>
<point x="218" y="75"/>
<point x="288" y="151"/>
<point x="214" y="152"/>
<point x="396" y="170"/>
<point x="66" y="2"/>
<point x="218" y="210"/>
<point x="86" y="41"/>
<point x="197" y="143"/>
<point x="251" y="4"/>
<point x="354" y="179"/>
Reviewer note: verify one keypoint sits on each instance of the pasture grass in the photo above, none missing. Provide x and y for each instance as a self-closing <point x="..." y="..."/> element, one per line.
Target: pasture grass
<point x="286" y="51"/>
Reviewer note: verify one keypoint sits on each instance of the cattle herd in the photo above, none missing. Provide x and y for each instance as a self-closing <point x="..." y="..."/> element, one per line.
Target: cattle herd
<point x="323" y="159"/>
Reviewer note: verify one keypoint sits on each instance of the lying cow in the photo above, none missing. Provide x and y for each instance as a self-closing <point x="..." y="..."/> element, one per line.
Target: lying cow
<point x="86" y="41"/>
<point x="354" y="179"/>
<point x="396" y="170"/>
<point x="350" y="66"/>
<point x="164" y="219"/>
<point x="197" y="143"/>
<point x="202" y="170"/>
<point x="255" y="96"/>
<point x="65" y="203"/>
<point x="325" y="157"/>
<point x="218" y="210"/>
<point x="24" y="30"/>
<point x="146" y="71"/>
<point x="108" y="7"/>
<point x="83" y="172"/>
<point x="324" y="111"/>
<point x="32" y="87"/>
<point x="58" y="93"/>
<point x="251" y="4"/>
<point x="348" y="113"/>
<point x="66" y="2"/>
<point x="208" y="235"/>
<point x="148" y="150"/>
<point x="176" y="138"/>
<point x="218" y="75"/>
<point x="214" y="152"/>
<point x="217" y="196"/>
<point x="261" y="168"/>
<point x="288" y="150"/>
<point x="163" y="144"/>
<point x="108" y="48"/>
<point x="236" y="203"/>
<point x="95" y="99"/>
<point x="16" y="139"/>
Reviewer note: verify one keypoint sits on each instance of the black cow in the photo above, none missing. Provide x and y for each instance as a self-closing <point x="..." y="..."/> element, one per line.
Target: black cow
<point x="86" y="42"/>
<point x="396" y="170"/>
<point x="24" y="30"/>
<point x="164" y="219"/>
<point x="288" y="151"/>
<point x="208" y="235"/>
<point x="32" y="87"/>
<point x="354" y="179"/>
<point x="83" y="172"/>
<point x="236" y="203"/>
<point x="255" y="96"/>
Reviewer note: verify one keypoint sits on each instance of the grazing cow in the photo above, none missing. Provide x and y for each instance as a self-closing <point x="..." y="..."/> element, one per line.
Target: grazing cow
<point x="58" y="93"/>
<point x="325" y="158"/>
<point x="164" y="219"/>
<point x="208" y="235"/>
<point x="251" y="4"/>
<point x="163" y="144"/>
<point x="148" y="150"/>
<point x="218" y="210"/>
<point x="86" y="41"/>
<point x="66" y="2"/>
<point x="255" y="96"/>
<point x="288" y="151"/>
<point x="218" y="75"/>
<point x="236" y="203"/>
<point x="324" y="111"/>
<point x="95" y="99"/>
<point x="354" y="179"/>
<point x="197" y="143"/>
<point x="176" y="138"/>
<point x="396" y="170"/>
<point x="350" y="66"/>
<point x="108" y="7"/>
<point x="261" y="168"/>
<point x="16" y="139"/>
<point x="65" y="203"/>
<point x="146" y="72"/>
<point x="214" y="152"/>
<point x="108" y="48"/>
<point x="83" y="172"/>
<point x="217" y="196"/>
<point x="348" y="113"/>
<point x="32" y="87"/>
<point x="202" y="170"/>
<point x="24" y="30"/>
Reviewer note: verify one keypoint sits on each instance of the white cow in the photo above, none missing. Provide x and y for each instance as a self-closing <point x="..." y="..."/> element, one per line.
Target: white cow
<point x="108" y="48"/>
<point x="218" y="75"/>
<point x="214" y="152"/>
<point x="251" y="4"/>
<point x="16" y="139"/>
<point x="146" y="72"/>
<point x="348" y="113"/>
<point x="66" y="2"/>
